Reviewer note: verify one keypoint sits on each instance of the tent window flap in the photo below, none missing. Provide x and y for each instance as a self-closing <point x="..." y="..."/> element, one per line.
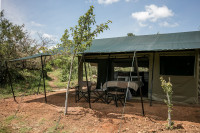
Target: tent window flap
<point x="177" y="65"/>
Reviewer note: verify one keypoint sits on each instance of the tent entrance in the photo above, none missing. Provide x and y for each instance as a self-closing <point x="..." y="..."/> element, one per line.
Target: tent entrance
<point x="122" y="69"/>
<point x="110" y="69"/>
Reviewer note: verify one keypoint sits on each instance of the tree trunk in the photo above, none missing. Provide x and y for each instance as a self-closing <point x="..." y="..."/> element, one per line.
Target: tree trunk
<point x="169" y="111"/>
<point x="68" y="85"/>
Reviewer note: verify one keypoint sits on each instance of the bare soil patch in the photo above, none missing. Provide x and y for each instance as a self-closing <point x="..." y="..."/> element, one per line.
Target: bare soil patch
<point x="32" y="114"/>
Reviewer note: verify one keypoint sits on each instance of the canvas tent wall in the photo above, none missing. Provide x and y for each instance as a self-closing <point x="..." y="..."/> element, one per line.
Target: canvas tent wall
<point x="184" y="87"/>
<point x="174" y="44"/>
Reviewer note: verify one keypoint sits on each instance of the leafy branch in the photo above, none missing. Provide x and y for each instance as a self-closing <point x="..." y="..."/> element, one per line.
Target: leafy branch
<point x="167" y="88"/>
<point x="80" y="38"/>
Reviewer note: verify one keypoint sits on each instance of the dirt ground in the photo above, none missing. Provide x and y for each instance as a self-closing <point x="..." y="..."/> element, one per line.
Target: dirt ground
<point x="32" y="114"/>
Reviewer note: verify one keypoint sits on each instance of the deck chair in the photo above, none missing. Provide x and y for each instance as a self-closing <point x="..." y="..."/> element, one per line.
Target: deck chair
<point x="81" y="91"/>
<point x="98" y="95"/>
<point x="114" y="92"/>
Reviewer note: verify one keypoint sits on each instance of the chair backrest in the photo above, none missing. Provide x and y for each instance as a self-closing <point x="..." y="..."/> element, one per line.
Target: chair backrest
<point x="83" y="85"/>
<point x="122" y="84"/>
<point x="126" y="78"/>
<point x="110" y="84"/>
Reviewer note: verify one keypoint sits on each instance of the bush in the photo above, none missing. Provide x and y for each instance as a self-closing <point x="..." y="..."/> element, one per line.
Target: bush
<point x="63" y="63"/>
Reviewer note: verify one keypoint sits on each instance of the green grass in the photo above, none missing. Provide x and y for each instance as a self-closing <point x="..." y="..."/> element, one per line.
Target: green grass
<point x="5" y="129"/>
<point x="6" y="124"/>
<point x="8" y="119"/>
<point x="41" y="121"/>
<point x="56" y="128"/>
<point x="59" y="83"/>
<point x="20" y="89"/>
<point x="25" y="129"/>
<point x="28" y="86"/>
<point x="58" y="73"/>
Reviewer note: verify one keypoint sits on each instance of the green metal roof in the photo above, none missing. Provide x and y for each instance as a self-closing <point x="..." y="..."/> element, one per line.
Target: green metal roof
<point x="157" y="42"/>
<point x="31" y="57"/>
<point x="49" y="53"/>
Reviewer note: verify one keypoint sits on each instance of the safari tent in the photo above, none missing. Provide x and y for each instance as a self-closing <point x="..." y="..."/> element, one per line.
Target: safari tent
<point x="174" y="55"/>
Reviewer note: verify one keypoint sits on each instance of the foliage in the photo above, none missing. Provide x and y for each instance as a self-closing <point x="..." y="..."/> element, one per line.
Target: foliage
<point x="59" y="81"/>
<point x="14" y="43"/>
<point x="62" y="66"/>
<point x="26" y="86"/>
<point x="167" y="88"/>
<point x="130" y="34"/>
<point x="63" y="62"/>
<point x="91" y="73"/>
<point x="48" y="66"/>
<point x="82" y="36"/>
<point x="82" y="33"/>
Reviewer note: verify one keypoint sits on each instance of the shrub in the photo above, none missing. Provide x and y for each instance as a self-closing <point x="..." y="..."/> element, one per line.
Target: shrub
<point x="167" y="87"/>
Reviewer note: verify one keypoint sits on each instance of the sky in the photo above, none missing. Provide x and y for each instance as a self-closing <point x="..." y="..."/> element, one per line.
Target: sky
<point x="50" y="18"/>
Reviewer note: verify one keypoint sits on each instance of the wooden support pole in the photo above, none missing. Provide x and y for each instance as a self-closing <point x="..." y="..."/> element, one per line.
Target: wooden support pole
<point x="138" y="75"/>
<point x="151" y="90"/>
<point x="132" y="64"/>
<point x="43" y="79"/>
<point x="108" y="65"/>
<point x="39" y="83"/>
<point x="88" y="88"/>
<point x="106" y="91"/>
<point x="44" y="67"/>
<point x="10" y="81"/>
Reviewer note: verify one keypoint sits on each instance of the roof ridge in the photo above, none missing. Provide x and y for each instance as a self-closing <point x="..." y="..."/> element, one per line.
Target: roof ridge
<point x="146" y="35"/>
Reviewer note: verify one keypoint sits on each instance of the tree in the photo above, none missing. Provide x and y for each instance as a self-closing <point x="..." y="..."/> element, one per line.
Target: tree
<point x="15" y="42"/>
<point x="44" y="42"/>
<point x="10" y="37"/>
<point x="82" y="36"/>
<point x="130" y="34"/>
<point x="167" y="87"/>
